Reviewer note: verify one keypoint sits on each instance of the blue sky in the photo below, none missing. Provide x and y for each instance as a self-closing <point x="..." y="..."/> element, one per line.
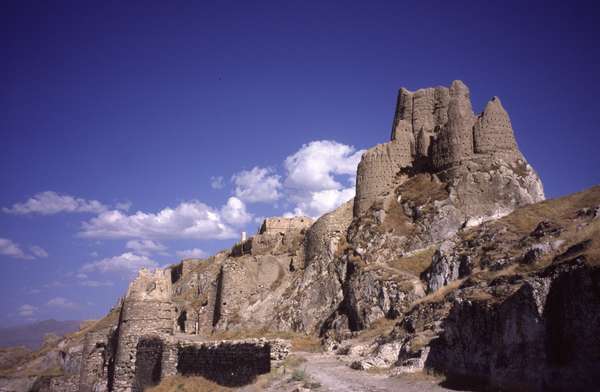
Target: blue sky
<point x="137" y="134"/>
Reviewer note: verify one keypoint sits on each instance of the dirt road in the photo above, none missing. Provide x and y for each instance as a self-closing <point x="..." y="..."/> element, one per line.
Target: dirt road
<point x="331" y="375"/>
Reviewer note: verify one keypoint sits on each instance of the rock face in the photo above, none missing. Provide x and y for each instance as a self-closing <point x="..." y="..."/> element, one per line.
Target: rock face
<point x="447" y="259"/>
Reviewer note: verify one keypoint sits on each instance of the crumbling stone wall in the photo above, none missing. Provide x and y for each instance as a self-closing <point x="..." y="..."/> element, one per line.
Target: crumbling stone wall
<point x="282" y="225"/>
<point x="226" y="363"/>
<point x="434" y="130"/>
<point x="148" y="361"/>
<point x="98" y="350"/>
<point x="138" y="319"/>
<point x="455" y="141"/>
<point x="377" y="170"/>
<point x="493" y="131"/>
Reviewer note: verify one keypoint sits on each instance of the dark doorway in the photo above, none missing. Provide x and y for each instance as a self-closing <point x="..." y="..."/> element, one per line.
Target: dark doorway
<point x="181" y="321"/>
<point x="148" y="363"/>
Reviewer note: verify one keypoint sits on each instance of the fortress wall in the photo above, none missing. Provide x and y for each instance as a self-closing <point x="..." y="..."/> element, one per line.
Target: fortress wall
<point x="455" y="140"/>
<point x="281" y="225"/>
<point x="493" y="130"/>
<point x="378" y="168"/>
<point x="323" y="236"/>
<point x="139" y="319"/>
<point x="94" y="362"/>
<point x="226" y="363"/>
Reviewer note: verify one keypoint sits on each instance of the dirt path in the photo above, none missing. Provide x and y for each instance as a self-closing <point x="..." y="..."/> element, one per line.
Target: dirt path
<point x="335" y="376"/>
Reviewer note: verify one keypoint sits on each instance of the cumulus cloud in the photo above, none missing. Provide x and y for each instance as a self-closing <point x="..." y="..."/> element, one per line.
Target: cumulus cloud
<point x="145" y="247"/>
<point x="194" y="253"/>
<point x="217" y="182"/>
<point x="191" y="219"/>
<point x="257" y="185"/>
<point x="38" y="251"/>
<point x="318" y="203"/>
<point x="95" y="283"/>
<point x="320" y="176"/>
<point x="61" y="302"/>
<point x="314" y="167"/>
<point x="128" y="263"/>
<point x="49" y="202"/>
<point x="27" y="310"/>
<point x="234" y="212"/>
<point x="12" y="249"/>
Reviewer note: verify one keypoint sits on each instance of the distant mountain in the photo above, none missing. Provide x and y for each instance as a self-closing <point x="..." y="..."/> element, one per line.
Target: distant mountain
<point x="32" y="335"/>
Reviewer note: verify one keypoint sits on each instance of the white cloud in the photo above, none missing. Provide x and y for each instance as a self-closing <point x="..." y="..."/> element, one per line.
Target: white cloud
<point x="257" y="185"/>
<point x="194" y="253"/>
<point x="95" y="283"/>
<point x="27" y="310"/>
<point x="318" y="203"/>
<point x="38" y="251"/>
<point x="127" y="262"/>
<point x="316" y="164"/>
<point x="191" y="219"/>
<point x="217" y="182"/>
<point x="145" y="247"/>
<point x="124" y="206"/>
<point x="234" y="212"/>
<point x="49" y="202"/>
<point x="61" y="302"/>
<point x="9" y="248"/>
<point x="320" y="177"/>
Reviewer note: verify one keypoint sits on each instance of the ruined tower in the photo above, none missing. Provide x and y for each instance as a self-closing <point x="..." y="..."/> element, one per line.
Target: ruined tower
<point x="434" y="130"/>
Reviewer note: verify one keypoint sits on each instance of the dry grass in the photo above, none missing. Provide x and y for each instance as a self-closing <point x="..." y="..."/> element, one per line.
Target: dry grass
<point x="421" y="189"/>
<point x="561" y="210"/>
<point x="383" y="326"/>
<point x="416" y="263"/>
<point x="187" y="384"/>
<point x="439" y="294"/>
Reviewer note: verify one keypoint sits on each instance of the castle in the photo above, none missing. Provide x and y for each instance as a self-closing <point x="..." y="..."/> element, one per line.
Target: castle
<point x="433" y="130"/>
<point x="265" y="282"/>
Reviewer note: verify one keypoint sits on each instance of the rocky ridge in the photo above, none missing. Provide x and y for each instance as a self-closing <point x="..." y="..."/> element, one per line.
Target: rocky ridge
<point x="448" y="259"/>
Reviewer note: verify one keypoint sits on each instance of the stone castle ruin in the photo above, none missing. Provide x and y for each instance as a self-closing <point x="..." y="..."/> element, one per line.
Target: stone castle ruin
<point x="434" y="130"/>
<point x="405" y="235"/>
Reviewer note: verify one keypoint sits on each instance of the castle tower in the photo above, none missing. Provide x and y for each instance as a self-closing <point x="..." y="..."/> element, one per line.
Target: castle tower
<point x="422" y="113"/>
<point x="493" y="131"/>
<point x="147" y="316"/>
<point x="455" y="140"/>
<point x="378" y="168"/>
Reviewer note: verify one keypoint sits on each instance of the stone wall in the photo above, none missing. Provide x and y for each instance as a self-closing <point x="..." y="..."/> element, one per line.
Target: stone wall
<point x="281" y="225"/>
<point x="455" y="140"/>
<point x="493" y="131"/>
<point x="98" y="350"/>
<point x="139" y="319"/>
<point x="226" y="363"/>
<point x="377" y="170"/>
